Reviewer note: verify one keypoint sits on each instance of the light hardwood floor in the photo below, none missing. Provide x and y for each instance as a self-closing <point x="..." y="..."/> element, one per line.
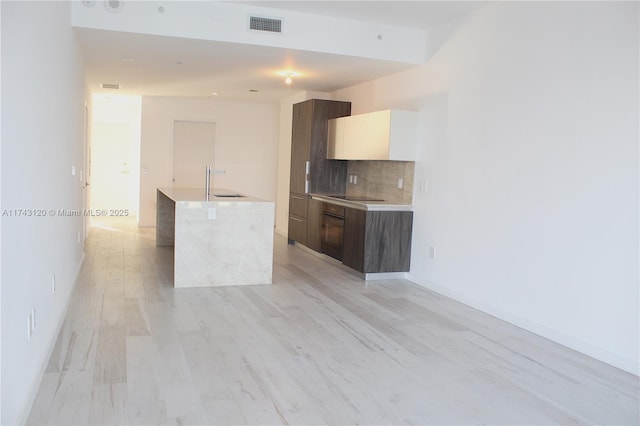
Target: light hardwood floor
<point x="319" y="346"/>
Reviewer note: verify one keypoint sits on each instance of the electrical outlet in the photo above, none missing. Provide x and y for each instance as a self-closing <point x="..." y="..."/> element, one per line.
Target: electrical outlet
<point x="355" y="179"/>
<point x="400" y="183"/>
<point x="432" y="252"/>
<point x="211" y="214"/>
<point x="53" y="284"/>
<point x="424" y="185"/>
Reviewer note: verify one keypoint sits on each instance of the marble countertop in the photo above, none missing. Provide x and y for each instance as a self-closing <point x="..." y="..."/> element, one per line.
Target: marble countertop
<point x="363" y="205"/>
<point x="198" y="194"/>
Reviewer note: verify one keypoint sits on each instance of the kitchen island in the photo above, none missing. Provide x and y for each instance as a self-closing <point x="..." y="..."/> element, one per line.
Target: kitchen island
<point x="222" y="240"/>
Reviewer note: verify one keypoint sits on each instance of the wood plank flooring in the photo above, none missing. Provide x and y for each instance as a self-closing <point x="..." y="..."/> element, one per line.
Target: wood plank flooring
<point x="319" y="346"/>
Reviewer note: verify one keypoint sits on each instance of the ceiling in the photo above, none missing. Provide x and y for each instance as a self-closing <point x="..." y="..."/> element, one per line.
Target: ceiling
<point x="412" y="14"/>
<point x="171" y="66"/>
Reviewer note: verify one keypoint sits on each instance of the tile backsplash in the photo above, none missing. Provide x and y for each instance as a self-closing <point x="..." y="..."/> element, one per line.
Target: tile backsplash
<point x="379" y="179"/>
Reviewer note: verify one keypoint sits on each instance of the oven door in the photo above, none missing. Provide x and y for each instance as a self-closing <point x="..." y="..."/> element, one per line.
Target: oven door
<point x="332" y="235"/>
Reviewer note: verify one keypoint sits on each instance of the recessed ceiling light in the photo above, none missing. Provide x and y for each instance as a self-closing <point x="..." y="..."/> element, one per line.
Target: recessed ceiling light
<point x="128" y="59"/>
<point x="214" y="93"/>
<point x="288" y="75"/>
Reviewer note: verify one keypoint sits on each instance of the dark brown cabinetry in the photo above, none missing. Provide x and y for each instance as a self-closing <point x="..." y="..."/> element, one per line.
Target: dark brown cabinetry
<point x="310" y="169"/>
<point x="298" y="204"/>
<point x="377" y="241"/>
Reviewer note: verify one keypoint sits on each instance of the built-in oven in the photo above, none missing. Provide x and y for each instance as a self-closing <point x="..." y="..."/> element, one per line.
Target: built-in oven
<point x="332" y="230"/>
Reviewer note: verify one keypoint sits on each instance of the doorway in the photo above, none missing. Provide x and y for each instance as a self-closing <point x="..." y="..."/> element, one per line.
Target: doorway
<point x="193" y="151"/>
<point x="114" y="156"/>
<point x="110" y="189"/>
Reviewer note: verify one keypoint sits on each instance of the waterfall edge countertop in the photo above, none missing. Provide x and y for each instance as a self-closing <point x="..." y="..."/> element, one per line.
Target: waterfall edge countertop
<point x="199" y="194"/>
<point x="226" y="240"/>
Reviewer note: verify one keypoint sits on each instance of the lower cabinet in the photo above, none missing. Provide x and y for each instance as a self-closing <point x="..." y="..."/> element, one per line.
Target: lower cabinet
<point x="298" y="205"/>
<point x="305" y="221"/>
<point x="297" y="229"/>
<point x="373" y="241"/>
<point x="377" y="241"/>
<point x="353" y="245"/>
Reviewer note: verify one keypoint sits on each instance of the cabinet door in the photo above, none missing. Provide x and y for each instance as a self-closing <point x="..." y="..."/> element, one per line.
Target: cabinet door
<point x="298" y="204"/>
<point x="381" y="135"/>
<point x="376" y="130"/>
<point x="327" y="177"/>
<point x="300" y="146"/>
<point x="335" y="148"/>
<point x="354" y="134"/>
<point x="354" y="238"/>
<point x="387" y="246"/>
<point x="298" y="229"/>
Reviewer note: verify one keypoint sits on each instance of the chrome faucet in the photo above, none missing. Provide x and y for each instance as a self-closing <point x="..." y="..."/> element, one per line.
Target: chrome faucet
<point x="207" y="184"/>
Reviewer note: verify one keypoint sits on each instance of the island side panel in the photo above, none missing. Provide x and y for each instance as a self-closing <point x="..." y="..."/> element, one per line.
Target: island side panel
<point x="165" y="220"/>
<point x="234" y="248"/>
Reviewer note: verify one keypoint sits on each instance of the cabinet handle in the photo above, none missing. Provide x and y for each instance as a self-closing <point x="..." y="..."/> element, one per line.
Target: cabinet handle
<point x="307" y="178"/>
<point x="296" y="219"/>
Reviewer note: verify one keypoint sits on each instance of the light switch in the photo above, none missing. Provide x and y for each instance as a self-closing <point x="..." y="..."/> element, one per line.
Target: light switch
<point x="211" y="215"/>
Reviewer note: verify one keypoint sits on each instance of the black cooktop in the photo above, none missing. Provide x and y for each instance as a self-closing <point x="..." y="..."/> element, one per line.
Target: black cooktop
<point x="351" y="198"/>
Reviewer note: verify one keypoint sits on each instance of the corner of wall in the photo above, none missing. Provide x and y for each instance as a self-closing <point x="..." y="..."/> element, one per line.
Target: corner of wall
<point x="42" y="39"/>
<point x="1" y="206"/>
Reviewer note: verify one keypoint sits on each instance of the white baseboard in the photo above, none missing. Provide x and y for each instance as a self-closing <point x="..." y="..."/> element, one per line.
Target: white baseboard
<point x="52" y="343"/>
<point x="629" y="365"/>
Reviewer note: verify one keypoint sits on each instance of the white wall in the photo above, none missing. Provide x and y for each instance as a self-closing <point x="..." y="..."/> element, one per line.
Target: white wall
<point x="246" y="146"/>
<point x="530" y="148"/>
<point x="42" y="138"/>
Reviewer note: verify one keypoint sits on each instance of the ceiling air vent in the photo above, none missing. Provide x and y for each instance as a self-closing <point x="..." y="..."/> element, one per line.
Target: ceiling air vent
<point x="270" y="25"/>
<point x="110" y="86"/>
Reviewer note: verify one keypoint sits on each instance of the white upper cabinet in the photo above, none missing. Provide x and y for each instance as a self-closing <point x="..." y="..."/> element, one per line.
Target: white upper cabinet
<point x="382" y="135"/>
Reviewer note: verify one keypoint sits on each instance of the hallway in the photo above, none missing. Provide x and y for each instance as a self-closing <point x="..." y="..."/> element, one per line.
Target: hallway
<point x="319" y="346"/>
